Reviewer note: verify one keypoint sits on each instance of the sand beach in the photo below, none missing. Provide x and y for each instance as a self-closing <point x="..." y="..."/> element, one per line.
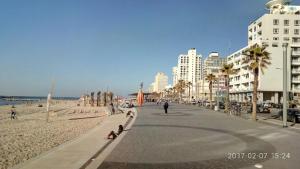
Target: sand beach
<point x="30" y="134"/>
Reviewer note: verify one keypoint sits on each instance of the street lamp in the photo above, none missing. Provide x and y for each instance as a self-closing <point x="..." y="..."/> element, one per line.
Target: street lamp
<point x="284" y="111"/>
<point x="218" y="94"/>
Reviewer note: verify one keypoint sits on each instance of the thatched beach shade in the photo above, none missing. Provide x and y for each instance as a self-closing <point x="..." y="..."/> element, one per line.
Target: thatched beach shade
<point x="140" y="98"/>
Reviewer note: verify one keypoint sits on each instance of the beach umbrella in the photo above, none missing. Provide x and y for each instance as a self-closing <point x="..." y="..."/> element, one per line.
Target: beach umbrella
<point x="140" y="98"/>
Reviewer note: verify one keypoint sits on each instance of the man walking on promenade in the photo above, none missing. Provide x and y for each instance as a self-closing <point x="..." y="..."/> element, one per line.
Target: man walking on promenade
<point x="166" y="106"/>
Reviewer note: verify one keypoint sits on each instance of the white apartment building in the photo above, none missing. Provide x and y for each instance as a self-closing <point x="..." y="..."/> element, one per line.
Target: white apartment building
<point x="281" y="25"/>
<point x="160" y="83"/>
<point x="189" y="69"/>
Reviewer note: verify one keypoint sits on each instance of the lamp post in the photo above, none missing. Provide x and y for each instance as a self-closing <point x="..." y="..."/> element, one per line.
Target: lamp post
<point x="218" y="94"/>
<point x="284" y="111"/>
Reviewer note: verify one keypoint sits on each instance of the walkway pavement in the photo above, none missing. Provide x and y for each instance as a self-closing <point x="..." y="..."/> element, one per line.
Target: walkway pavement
<point x="189" y="137"/>
<point x="78" y="153"/>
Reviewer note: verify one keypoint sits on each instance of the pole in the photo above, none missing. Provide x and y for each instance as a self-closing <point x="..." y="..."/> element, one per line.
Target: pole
<point x="284" y="111"/>
<point x="218" y="93"/>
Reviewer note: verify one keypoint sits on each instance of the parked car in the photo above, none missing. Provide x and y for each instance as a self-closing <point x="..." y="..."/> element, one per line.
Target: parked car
<point x="221" y="105"/>
<point x="277" y="106"/>
<point x="260" y="109"/>
<point x="293" y="115"/>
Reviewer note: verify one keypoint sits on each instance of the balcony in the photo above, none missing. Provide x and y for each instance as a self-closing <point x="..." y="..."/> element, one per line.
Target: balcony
<point x="295" y="71"/>
<point x="296" y="80"/>
<point x="296" y="62"/>
<point x="296" y="52"/>
<point x="295" y="44"/>
<point x="296" y="89"/>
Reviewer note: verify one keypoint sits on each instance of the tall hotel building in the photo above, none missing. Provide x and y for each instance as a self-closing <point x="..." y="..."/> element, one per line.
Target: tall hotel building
<point x="189" y="69"/>
<point x="211" y="65"/>
<point x="281" y="25"/>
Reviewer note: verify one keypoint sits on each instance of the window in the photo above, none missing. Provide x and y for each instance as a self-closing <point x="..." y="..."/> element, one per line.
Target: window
<point x="275" y="31"/>
<point x="286" y="31"/>
<point x="286" y="39"/>
<point x="296" y="31"/>
<point x="275" y="45"/>
<point x="297" y="22"/>
<point x="275" y="38"/>
<point x="275" y="22"/>
<point x="286" y="22"/>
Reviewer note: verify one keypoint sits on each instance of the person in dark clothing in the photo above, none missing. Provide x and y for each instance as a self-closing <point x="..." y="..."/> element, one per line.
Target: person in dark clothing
<point x="113" y="135"/>
<point x="112" y="108"/>
<point x="121" y="129"/>
<point x="166" y="106"/>
<point x="13" y="114"/>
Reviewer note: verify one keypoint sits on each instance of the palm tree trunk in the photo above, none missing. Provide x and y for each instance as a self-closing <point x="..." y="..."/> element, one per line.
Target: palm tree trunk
<point x="210" y="94"/>
<point x="227" y="95"/>
<point x="189" y="93"/>
<point x="254" y="97"/>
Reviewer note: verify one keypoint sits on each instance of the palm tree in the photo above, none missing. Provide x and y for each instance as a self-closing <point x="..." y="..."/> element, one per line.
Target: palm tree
<point x="189" y="84"/>
<point x="257" y="59"/>
<point x="210" y="78"/>
<point x="104" y="98"/>
<point x="180" y="88"/>
<point x="227" y="70"/>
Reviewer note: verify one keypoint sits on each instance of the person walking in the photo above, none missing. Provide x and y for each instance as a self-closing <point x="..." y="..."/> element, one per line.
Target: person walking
<point x="166" y="106"/>
<point x="13" y="114"/>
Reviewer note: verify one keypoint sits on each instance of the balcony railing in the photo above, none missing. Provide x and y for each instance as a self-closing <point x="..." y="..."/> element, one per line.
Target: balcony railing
<point x="297" y="52"/>
<point x="296" y="71"/>
<point x="295" y="62"/>
<point x="296" y="80"/>
<point x="295" y="44"/>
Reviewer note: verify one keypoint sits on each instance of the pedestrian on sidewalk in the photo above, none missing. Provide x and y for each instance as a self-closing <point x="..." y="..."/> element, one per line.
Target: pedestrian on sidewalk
<point x="166" y="106"/>
<point x="112" y="108"/>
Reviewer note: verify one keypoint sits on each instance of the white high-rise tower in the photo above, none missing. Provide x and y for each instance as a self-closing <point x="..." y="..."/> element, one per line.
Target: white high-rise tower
<point x="189" y="69"/>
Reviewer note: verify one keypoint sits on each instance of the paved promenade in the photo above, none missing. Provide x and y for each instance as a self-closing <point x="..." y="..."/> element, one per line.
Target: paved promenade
<point x="193" y="138"/>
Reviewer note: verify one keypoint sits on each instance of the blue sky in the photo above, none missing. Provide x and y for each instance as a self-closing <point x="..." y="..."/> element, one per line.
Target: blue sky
<point x="90" y="45"/>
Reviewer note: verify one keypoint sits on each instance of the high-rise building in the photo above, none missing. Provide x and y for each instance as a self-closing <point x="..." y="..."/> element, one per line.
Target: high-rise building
<point x="160" y="83"/>
<point x="189" y="69"/>
<point x="175" y="76"/>
<point x="151" y="88"/>
<point x="212" y="65"/>
<point x="281" y="25"/>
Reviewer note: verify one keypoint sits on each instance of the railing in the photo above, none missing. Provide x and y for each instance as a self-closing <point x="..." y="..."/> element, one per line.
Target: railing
<point x="296" y="71"/>
<point x="295" y="52"/>
<point x="295" y="44"/>
<point x="296" y="89"/>
<point x="296" y="80"/>
<point x="295" y="62"/>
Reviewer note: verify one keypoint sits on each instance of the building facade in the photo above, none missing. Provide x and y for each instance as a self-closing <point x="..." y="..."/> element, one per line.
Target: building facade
<point x="189" y="69"/>
<point x="160" y="83"/>
<point x="281" y="25"/>
<point x="211" y="65"/>
<point x="175" y="76"/>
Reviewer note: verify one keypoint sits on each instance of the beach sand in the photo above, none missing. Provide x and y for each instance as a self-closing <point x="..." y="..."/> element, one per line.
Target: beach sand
<point x="30" y="135"/>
